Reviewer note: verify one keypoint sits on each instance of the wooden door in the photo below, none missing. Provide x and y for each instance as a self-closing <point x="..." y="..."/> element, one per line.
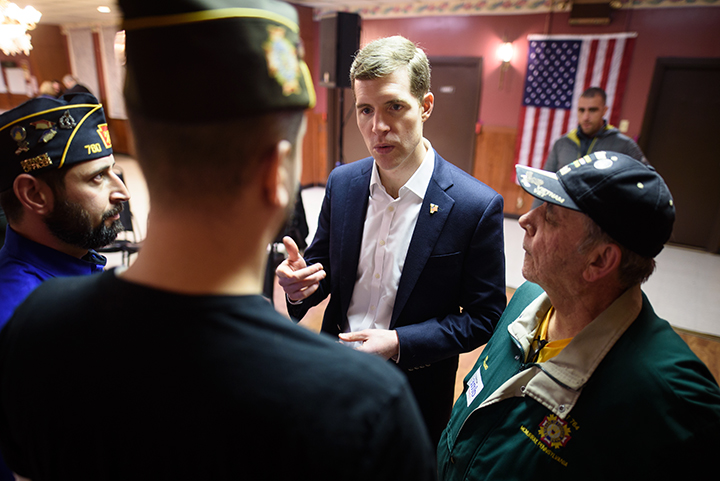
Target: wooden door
<point x="679" y="138"/>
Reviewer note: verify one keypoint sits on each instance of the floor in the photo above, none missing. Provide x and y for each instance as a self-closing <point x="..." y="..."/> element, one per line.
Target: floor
<point x="683" y="290"/>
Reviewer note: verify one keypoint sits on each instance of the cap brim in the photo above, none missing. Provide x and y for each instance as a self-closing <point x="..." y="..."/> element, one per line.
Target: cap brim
<point x="545" y="186"/>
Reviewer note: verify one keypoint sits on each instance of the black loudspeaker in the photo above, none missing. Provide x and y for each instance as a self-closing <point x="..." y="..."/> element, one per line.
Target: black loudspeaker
<point x="339" y="41"/>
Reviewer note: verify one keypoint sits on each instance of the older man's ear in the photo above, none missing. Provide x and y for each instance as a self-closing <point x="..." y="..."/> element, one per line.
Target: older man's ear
<point x="604" y="259"/>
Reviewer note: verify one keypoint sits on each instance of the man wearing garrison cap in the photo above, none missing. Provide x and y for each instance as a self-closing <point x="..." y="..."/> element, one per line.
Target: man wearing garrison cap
<point x="59" y="192"/>
<point x="177" y="368"/>
<point x="581" y="379"/>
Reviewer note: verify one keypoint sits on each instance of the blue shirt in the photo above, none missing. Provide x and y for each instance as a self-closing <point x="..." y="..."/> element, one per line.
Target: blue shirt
<point x="25" y="264"/>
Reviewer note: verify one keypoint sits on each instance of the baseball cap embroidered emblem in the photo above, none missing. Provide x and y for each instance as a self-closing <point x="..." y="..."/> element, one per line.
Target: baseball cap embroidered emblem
<point x="528" y="180"/>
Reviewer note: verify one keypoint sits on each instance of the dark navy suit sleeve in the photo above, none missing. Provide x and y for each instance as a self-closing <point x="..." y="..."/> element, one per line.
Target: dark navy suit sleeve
<point x="318" y="251"/>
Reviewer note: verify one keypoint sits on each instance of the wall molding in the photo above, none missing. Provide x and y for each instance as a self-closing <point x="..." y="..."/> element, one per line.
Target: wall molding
<point x="486" y="7"/>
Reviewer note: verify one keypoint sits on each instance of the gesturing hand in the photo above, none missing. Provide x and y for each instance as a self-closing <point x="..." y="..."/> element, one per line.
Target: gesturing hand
<point x="295" y="277"/>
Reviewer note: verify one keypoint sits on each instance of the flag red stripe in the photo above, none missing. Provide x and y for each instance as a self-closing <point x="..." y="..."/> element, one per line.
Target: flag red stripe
<point x="566" y="121"/>
<point x="590" y="64"/>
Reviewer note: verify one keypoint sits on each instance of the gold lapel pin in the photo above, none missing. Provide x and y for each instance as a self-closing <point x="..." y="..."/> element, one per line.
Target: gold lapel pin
<point x="433" y="208"/>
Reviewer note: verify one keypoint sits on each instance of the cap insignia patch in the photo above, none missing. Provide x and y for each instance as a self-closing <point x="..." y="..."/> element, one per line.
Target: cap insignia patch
<point x="282" y="60"/>
<point x="554" y="432"/>
<point x="104" y="134"/>
<point x="36" y="163"/>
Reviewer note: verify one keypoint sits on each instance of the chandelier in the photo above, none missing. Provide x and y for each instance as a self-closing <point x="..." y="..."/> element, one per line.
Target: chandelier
<point x="14" y="24"/>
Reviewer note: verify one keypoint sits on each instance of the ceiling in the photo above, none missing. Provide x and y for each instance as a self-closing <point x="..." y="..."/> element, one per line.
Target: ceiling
<point x="62" y="12"/>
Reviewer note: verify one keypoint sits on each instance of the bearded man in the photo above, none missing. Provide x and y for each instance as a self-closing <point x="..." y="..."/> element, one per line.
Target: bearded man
<point x="59" y="193"/>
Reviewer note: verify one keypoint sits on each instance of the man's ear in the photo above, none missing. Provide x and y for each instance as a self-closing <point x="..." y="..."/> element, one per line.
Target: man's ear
<point x="277" y="176"/>
<point x="427" y="105"/>
<point x="604" y="259"/>
<point x="34" y="194"/>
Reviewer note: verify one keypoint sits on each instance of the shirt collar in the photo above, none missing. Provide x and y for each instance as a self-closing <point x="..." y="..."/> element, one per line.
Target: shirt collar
<point x="565" y="375"/>
<point x="418" y="182"/>
<point x="591" y="345"/>
<point x="576" y="363"/>
<point x="49" y="259"/>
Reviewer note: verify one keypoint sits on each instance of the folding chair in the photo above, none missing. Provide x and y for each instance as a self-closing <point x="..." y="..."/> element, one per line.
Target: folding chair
<point x="129" y="244"/>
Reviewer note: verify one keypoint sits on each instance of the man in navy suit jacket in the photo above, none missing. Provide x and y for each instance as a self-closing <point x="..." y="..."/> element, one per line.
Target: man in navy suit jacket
<point x="408" y="246"/>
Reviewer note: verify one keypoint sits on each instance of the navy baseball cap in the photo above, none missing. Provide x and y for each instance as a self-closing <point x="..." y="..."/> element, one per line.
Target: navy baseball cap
<point x="47" y="133"/>
<point x="626" y="198"/>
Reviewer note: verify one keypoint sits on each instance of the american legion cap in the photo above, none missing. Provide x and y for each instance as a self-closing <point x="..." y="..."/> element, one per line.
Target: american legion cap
<point x="212" y="60"/>
<point x="626" y="198"/>
<point x="47" y="133"/>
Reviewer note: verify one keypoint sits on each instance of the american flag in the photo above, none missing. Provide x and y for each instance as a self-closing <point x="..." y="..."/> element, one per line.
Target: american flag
<point x="560" y="69"/>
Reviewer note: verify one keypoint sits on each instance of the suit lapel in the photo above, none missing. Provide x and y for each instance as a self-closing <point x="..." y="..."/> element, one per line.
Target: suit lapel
<point x="355" y="209"/>
<point x="434" y="212"/>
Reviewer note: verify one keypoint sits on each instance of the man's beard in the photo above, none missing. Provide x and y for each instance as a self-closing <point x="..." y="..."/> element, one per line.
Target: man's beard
<point x="70" y="223"/>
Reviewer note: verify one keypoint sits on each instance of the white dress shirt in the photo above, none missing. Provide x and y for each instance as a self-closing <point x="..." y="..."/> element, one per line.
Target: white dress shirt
<point x="389" y="226"/>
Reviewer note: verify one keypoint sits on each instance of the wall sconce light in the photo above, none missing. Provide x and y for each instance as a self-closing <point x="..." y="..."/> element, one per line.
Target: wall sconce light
<point x="505" y="53"/>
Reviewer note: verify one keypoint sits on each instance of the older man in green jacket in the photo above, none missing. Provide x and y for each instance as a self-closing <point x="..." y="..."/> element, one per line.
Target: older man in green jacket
<point x="581" y="379"/>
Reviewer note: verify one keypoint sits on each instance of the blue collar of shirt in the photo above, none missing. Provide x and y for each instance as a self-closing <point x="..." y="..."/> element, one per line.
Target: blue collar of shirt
<point x="48" y="259"/>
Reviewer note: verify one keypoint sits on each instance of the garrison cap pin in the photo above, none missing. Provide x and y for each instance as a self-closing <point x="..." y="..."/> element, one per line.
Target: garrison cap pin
<point x="66" y="121"/>
<point x="36" y="163"/>
<point x="19" y="134"/>
<point x="42" y="124"/>
<point x="433" y="208"/>
<point x="48" y="134"/>
<point x="48" y="126"/>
